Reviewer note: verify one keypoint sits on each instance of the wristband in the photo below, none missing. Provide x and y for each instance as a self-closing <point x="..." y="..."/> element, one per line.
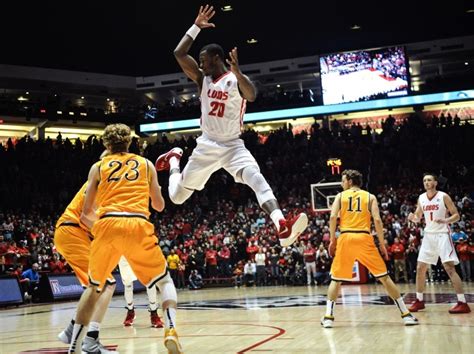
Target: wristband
<point x="193" y="31"/>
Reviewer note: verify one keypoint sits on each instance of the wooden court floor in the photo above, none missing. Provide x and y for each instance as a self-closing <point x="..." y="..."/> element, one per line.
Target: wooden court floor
<point x="266" y="320"/>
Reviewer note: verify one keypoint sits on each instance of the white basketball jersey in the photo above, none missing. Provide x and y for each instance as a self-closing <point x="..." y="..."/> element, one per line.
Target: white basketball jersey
<point x="433" y="209"/>
<point x="222" y="107"/>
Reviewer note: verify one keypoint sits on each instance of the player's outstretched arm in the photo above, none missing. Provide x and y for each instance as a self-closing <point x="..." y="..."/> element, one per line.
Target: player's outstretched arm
<point x="186" y="62"/>
<point x="157" y="201"/>
<point x="246" y="87"/>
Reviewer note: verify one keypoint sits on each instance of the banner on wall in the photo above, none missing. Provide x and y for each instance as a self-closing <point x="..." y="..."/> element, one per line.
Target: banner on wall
<point x="10" y="291"/>
<point x="66" y="286"/>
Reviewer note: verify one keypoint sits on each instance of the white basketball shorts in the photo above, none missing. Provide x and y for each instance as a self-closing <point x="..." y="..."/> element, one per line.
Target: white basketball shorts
<point x="436" y="245"/>
<point x="209" y="156"/>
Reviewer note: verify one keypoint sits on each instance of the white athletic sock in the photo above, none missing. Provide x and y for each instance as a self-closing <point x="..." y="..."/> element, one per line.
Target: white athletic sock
<point x="170" y="317"/>
<point x="330" y="308"/>
<point x="174" y="163"/>
<point x="152" y="298"/>
<point x="94" y="326"/>
<point x="401" y="305"/>
<point x="128" y="293"/>
<point x="78" y="333"/>
<point x="419" y="296"/>
<point x="461" y="297"/>
<point x="276" y="216"/>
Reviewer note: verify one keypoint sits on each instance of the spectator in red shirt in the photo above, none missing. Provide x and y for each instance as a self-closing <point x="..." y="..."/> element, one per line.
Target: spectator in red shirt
<point x="3" y="245"/>
<point x="465" y="259"/>
<point x="34" y="235"/>
<point x="224" y="261"/>
<point x="56" y="265"/>
<point x="309" y="255"/>
<point x="23" y="253"/>
<point x="12" y="255"/>
<point x="211" y="263"/>
<point x="398" y="252"/>
<point x="252" y="250"/>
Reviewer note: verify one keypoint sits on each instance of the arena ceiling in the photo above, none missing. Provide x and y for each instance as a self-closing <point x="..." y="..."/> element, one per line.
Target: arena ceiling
<point x="137" y="38"/>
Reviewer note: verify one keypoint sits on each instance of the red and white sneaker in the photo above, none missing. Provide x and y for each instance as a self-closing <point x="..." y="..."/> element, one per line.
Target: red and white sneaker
<point x="155" y="320"/>
<point x="129" y="318"/>
<point x="163" y="161"/>
<point x="460" y="307"/>
<point x="291" y="229"/>
<point x="416" y="306"/>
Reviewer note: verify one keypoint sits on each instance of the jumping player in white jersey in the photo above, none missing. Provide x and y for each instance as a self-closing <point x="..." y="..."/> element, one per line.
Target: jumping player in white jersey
<point x="128" y="277"/>
<point x="434" y="205"/>
<point x="224" y="94"/>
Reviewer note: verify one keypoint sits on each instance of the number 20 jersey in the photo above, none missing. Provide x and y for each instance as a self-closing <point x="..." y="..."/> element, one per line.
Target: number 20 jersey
<point x="124" y="185"/>
<point x="222" y="108"/>
<point x="433" y="209"/>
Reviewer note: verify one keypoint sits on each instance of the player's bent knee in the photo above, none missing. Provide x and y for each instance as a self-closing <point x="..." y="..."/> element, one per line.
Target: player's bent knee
<point x="110" y="286"/>
<point x="167" y="289"/>
<point x="179" y="195"/>
<point x="176" y="199"/>
<point x="252" y="177"/>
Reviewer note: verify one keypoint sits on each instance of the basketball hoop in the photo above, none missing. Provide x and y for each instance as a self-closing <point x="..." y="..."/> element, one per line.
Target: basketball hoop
<point x="323" y="195"/>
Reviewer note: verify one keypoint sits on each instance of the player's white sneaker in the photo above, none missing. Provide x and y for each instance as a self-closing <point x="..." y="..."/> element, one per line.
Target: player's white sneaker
<point x="66" y="335"/>
<point x="327" y="321"/>
<point x="291" y="229"/>
<point x="94" y="346"/>
<point x="410" y="320"/>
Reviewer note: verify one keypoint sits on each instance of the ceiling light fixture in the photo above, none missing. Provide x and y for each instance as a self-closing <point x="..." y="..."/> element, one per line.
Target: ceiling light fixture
<point x="252" y="41"/>
<point x="355" y="27"/>
<point x="227" y="8"/>
<point x="470" y="11"/>
<point x="466" y="63"/>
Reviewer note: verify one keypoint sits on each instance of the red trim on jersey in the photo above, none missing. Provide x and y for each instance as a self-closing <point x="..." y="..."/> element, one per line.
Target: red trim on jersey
<point x="430" y="199"/>
<point x="243" y="106"/>
<point x="220" y="77"/>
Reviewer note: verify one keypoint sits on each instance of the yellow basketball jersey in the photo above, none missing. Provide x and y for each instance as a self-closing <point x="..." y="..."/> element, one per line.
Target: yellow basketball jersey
<point x="355" y="214"/>
<point x="124" y="185"/>
<point x="74" y="209"/>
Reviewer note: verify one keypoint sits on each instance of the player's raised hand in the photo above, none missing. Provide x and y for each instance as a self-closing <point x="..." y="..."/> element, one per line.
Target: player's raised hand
<point x="233" y="61"/>
<point x="205" y="14"/>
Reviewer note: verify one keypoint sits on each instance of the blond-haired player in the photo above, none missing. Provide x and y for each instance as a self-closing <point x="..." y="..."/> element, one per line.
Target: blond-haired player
<point x="357" y="207"/>
<point x="122" y="185"/>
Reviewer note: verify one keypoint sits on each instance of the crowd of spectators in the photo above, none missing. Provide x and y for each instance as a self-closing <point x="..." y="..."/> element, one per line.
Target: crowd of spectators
<point x="221" y="234"/>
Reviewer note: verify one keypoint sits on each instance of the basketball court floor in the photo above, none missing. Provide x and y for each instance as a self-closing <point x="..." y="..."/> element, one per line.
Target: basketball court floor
<point x="268" y="319"/>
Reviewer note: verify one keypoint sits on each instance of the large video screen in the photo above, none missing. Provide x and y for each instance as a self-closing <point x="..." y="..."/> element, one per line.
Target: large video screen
<point x="364" y="75"/>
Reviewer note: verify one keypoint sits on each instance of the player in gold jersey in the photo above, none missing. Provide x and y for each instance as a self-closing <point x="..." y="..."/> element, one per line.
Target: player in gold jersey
<point x="73" y="241"/>
<point x="356" y="208"/>
<point x="121" y="185"/>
